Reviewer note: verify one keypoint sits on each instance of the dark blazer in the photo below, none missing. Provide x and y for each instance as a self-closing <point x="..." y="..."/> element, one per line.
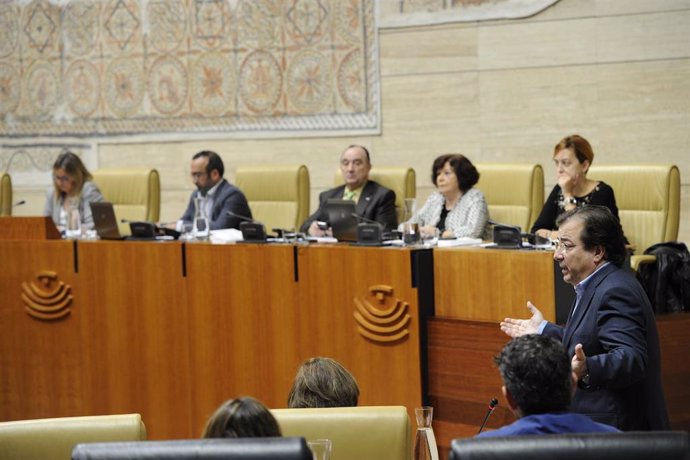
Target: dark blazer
<point x="615" y="324"/>
<point x="376" y="203"/>
<point x="226" y="198"/>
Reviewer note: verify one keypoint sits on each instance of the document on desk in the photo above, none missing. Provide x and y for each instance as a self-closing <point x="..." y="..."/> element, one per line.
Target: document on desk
<point x="225" y="235"/>
<point x="463" y="241"/>
<point x="322" y="239"/>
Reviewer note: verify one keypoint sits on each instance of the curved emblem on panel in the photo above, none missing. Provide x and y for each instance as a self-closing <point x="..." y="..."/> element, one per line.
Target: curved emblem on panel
<point x="47" y="298"/>
<point x="385" y="319"/>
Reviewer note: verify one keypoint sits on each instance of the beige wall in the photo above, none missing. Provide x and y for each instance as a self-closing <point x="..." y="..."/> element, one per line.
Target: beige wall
<point x="615" y="71"/>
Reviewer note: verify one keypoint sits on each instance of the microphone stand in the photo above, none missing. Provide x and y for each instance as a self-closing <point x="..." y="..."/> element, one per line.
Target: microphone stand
<point x="492" y="405"/>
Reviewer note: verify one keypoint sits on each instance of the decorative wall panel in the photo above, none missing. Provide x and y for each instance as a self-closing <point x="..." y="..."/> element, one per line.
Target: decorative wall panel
<point x="109" y="67"/>
<point x="401" y="13"/>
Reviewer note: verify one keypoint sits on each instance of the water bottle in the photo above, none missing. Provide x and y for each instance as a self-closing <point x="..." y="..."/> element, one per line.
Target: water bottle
<point x="200" y="229"/>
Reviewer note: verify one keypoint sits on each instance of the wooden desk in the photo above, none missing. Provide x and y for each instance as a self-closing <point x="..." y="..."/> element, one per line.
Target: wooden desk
<point x="479" y="284"/>
<point x="171" y="330"/>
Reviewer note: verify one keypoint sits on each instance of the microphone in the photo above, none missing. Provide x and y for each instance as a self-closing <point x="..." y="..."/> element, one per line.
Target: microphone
<point x="496" y="223"/>
<point x="14" y="205"/>
<point x="364" y="219"/>
<point x="252" y="230"/>
<point x="244" y="218"/>
<point x="369" y="232"/>
<point x="492" y="405"/>
<point x="508" y="231"/>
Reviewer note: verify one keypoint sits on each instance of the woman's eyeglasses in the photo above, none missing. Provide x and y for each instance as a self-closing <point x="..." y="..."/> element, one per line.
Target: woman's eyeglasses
<point x="61" y="178"/>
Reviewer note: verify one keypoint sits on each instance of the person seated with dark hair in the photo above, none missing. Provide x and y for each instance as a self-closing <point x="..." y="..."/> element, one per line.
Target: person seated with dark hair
<point x="538" y="384"/>
<point x="456" y="209"/>
<point x="323" y="382"/>
<point x="217" y="195"/>
<point x="242" y="418"/>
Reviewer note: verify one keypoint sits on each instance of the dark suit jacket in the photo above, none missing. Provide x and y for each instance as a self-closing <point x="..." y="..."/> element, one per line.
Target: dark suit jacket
<point x="226" y="198"/>
<point x="615" y="324"/>
<point x="376" y="203"/>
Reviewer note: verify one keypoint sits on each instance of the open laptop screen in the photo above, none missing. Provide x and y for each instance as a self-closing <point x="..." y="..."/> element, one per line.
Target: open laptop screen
<point x="340" y="216"/>
<point x="104" y="220"/>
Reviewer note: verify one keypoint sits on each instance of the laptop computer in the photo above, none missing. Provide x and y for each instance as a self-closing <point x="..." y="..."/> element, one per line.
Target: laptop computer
<point x="340" y="216"/>
<point x="104" y="220"/>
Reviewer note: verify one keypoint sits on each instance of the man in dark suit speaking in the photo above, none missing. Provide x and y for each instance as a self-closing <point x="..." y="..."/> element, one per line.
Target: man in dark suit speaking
<point x="611" y="332"/>
<point x="373" y="201"/>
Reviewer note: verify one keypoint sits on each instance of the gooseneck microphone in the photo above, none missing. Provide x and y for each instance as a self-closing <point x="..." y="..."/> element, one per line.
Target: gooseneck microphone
<point x="492" y="405"/>
<point x="13" y="205"/>
<point x="364" y="219"/>
<point x="252" y="230"/>
<point x="241" y="217"/>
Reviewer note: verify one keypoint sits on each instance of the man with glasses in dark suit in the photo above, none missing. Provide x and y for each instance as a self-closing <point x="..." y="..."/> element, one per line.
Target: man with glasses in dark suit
<point x="217" y="195"/>
<point x="611" y="332"/>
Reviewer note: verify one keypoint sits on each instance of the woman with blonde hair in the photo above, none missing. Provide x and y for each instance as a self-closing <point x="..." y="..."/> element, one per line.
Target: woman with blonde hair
<point x="72" y="188"/>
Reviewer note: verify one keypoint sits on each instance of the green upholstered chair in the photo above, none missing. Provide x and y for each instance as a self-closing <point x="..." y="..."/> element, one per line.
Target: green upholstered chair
<point x="367" y="432"/>
<point x="54" y="438"/>
<point x="278" y="195"/>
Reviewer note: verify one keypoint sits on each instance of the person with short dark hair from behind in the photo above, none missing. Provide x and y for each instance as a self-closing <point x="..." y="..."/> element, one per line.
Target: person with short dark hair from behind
<point x="538" y="384"/>
<point x="218" y="195"/>
<point x="242" y="418"/>
<point x="456" y="208"/>
<point x="72" y="186"/>
<point x="323" y="382"/>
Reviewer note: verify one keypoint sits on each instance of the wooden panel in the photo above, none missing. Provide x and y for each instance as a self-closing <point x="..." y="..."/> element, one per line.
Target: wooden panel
<point x="490" y="284"/>
<point x="463" y="378"/>
<point x="332" y="279"/>
<point x="40" y="360"/>
<point x="675" y="367"/>
<point x="28" y="228"/>
<point x="245" y="325"/>
<point x="135" y="336"/>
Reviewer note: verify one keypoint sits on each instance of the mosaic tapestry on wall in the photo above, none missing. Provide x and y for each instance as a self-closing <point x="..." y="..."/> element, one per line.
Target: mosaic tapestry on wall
<point x="87" y="67"/>
<point x="401" y="13"/>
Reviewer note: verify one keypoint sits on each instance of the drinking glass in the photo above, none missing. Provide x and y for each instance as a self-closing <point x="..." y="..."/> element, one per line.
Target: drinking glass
<point x="320" y="448"/>
<point x="430" y="237"/>
<point x="200" y="228"/>
<point x="411" y="234"/>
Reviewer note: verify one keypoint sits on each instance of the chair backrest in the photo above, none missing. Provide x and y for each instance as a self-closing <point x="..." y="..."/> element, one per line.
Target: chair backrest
<point x="514" y="192"/>
<point x="5" y="195"/>
<point x="403" y="181"/>
<point x="54" y="438"/>
<point x="648" y="200"/>
<point x="278" y="195"/>
<point x="367" y="432"/>
<point x="667" y="445"/>
<point x="134" y="193"/>
<point x="208" y="449"/>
